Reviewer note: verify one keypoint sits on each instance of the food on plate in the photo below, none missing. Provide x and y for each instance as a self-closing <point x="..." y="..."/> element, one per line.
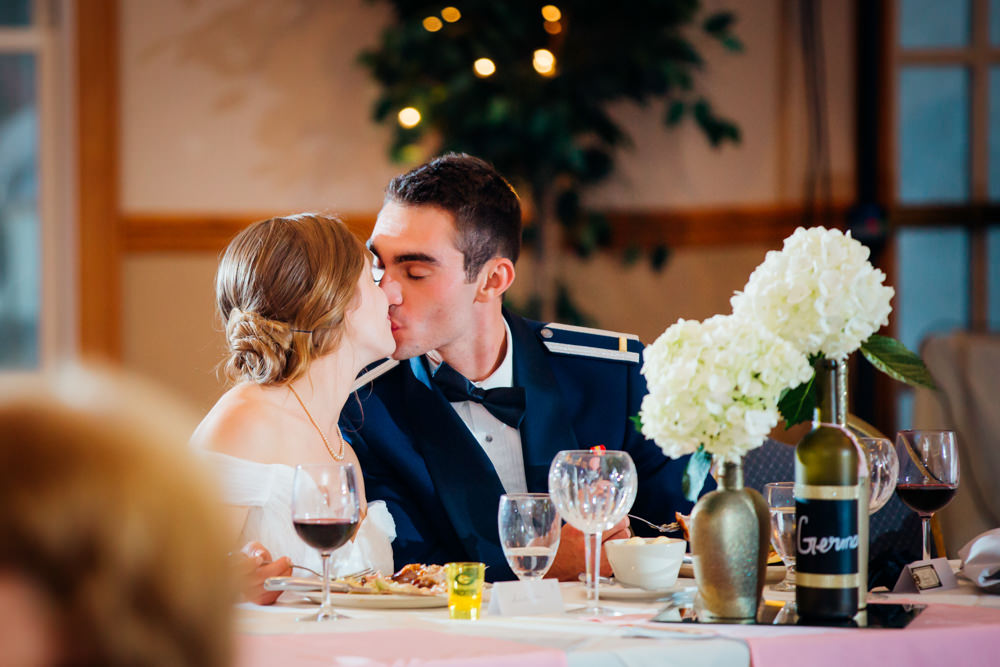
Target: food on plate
<point x="683" y="520"/>
<point x="412" y="579"/>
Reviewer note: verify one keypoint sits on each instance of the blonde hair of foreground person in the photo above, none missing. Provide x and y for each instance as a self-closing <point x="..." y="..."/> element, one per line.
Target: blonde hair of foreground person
<point x="283" y="288"/>
<point x="108" y="532"/>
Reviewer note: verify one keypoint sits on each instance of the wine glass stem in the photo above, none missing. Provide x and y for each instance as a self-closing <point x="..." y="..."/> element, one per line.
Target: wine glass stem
<point x="595" y="568"/>
<point x="926" y="525"/>
<point x="326" y="609"/>
<point x="589" y="566"/>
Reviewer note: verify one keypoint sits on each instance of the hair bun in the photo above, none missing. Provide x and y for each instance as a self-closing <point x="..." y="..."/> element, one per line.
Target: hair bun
<point x="260" y="348"/>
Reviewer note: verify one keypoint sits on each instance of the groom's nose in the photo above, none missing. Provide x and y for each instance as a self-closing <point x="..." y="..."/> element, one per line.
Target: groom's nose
<point x="392" y="289"/>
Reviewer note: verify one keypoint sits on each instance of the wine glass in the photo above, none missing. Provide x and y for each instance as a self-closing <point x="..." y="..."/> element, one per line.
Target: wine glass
<point x="593" y="490"/>
<point x="326" y="513"/>
<point x="883" y="469"/>
<point x="529" y="533"/>
<point x="781" y="502"/>
<point x="928" y="474"/>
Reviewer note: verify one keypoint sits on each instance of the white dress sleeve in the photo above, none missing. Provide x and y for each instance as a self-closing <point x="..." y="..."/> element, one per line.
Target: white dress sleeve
<point x="266" y="489"/>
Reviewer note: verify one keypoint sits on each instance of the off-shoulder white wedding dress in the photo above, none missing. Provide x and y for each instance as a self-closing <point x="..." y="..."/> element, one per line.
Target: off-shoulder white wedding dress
<point x="266" y="488"/>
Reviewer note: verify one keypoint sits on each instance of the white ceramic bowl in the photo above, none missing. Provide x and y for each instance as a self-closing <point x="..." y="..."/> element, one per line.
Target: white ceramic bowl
<point x="646" y="562"/>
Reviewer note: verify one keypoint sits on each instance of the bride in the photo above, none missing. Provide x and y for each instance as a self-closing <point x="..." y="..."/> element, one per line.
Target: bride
<point x="302" y="316"/>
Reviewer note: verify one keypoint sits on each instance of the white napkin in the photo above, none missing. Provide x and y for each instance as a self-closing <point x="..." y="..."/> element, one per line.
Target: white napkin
<point x="981" y="560"/>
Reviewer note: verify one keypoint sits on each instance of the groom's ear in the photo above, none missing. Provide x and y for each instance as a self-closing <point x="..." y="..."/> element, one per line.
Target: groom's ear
<point x="494" y="279"/>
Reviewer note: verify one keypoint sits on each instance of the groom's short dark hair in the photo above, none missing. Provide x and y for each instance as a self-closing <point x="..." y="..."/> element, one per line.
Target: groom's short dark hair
<point x="485" y="206"/>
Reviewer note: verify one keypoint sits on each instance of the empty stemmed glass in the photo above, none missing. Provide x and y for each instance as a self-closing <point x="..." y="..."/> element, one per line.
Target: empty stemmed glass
<point x="883" y="469"/>
<point x="781" y="502"/>
<point x="593" y="490"/>
<point x="529" y="533"/>
<point x="326" y="512"/>
<point x="928" y="474"/>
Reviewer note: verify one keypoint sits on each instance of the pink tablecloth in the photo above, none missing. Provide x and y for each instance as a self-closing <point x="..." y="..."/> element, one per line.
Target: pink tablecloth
<point x="941" y="636"/>
<point x="390" y="648"/>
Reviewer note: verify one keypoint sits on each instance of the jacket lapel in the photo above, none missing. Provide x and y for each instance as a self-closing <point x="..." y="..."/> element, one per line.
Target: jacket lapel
<point x="463" y="475"/>
<point x="546" y="429"/>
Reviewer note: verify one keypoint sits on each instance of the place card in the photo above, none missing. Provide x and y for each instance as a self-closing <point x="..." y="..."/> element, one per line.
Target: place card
<point x="525" y="598"/>
<point x="926" y="576"/>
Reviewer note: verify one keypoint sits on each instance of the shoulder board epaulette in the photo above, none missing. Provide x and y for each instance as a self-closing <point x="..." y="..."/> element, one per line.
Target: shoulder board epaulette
<point x="586" y="342"/>
<point x="373" y="372"/>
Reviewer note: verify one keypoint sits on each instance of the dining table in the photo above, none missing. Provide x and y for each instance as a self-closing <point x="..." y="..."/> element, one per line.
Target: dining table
<point x="958" y="627"/>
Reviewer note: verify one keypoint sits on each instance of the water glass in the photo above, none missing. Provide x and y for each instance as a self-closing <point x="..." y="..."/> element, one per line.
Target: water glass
<point x="781" y="502"/>
<point x="593" y="490"/>
<point x="465" y="589"/>
<point x="883" y="469"/>
<point x="529" y="527"/>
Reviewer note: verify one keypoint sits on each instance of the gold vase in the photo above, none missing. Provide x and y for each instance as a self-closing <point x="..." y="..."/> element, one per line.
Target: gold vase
<point x="730" y="534"/>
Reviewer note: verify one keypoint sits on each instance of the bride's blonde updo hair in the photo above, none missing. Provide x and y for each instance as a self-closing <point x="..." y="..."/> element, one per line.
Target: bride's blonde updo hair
<point x="282" y="290"/>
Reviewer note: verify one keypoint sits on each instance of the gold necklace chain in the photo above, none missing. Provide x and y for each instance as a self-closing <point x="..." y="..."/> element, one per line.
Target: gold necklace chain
<point x="336" y="457"/>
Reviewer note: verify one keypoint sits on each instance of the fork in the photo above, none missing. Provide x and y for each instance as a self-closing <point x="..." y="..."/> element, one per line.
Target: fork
<point x="662" y="527"/>
<point x="359" y="573"/>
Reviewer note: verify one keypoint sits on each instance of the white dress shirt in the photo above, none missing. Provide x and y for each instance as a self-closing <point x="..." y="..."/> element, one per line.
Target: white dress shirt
<point x="501" y="443"/>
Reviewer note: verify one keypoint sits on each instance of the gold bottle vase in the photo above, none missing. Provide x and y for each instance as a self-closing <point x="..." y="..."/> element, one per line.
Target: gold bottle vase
<point x="730" y="534"/>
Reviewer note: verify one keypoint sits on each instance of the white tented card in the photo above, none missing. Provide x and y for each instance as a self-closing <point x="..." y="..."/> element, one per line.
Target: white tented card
<point x="926" y="576"/>
<point x="525" y="598"/>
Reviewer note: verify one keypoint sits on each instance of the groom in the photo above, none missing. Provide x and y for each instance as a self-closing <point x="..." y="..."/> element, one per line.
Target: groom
<point x="439" y="449"/>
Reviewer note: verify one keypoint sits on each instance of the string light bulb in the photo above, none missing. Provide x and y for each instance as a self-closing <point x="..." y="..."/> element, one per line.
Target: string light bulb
<point x="484" y="67"/>
<point x="409" y="117"/>
<point x="432" y="24"/>
<point x="552" y="27"/>
<point x="551" y="13"/>
<point x="451" y="14"/>
<point x="544" y="62"/>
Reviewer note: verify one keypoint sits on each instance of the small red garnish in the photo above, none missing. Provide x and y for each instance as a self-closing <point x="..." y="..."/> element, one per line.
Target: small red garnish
<point x="598" y="449"/>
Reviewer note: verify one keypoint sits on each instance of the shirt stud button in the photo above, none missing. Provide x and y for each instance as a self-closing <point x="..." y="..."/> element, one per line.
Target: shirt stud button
<point x="546" y="333"/>
<point x="489" y="438"/>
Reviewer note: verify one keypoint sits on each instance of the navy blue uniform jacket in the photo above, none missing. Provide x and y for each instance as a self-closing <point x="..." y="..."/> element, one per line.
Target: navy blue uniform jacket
<point x="418" y="456"/>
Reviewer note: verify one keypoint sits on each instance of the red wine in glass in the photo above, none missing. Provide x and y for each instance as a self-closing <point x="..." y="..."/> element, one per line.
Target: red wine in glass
<point x="925" y="499"/>
<point x="325" y="534"/>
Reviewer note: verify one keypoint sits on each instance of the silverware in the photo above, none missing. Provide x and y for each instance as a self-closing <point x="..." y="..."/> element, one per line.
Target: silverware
<point x="662" y="527"/>
<point x="603" y="580"/>
<point x="359" y="573"/>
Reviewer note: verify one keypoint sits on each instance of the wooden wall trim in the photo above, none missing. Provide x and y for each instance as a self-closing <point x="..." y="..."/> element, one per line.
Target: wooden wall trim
<point x="98" y="236"/>
<point x="191" y="232"/>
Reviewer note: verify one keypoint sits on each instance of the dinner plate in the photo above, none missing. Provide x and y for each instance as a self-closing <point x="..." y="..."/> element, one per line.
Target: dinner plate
<point x="620" y="592"/>
<point x="775" y="573"/>
<point x="380" y="601"/>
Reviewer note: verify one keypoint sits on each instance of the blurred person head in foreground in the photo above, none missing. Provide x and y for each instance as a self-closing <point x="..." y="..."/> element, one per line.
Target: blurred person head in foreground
<point x="111" y="547"/>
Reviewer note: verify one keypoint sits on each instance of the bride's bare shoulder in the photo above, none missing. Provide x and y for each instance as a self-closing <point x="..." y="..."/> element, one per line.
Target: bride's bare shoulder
<point x="244" y="422"/>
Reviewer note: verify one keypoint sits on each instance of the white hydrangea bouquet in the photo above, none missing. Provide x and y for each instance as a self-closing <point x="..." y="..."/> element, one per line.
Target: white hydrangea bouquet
<point x="716" y="388"/>
<point x="822" y="295"/>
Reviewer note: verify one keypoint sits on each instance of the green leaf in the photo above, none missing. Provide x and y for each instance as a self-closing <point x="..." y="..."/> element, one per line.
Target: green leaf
<point x="674" y="113"/>
<point x="892" y="358"/>
<point x="732" y="44"/>
<point x="694" y="475"/>
<point x="636" y="422"/>
<point x="718" y="22"/>
<point x="796" y="405"/>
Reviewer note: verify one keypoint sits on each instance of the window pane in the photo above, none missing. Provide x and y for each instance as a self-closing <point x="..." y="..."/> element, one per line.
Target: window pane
<point x="932" y="287"/>
<point x="933" y="135"/>
<point x="994" y="133"/>
<point x="995" y="22"/>
<point x="14" y="13"/>
<point x="932" y="23"/>
<point x="20" y="258"/>
<point x="993" y="277"/>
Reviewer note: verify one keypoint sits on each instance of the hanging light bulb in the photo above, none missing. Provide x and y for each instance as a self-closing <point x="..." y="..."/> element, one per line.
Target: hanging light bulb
<point x="544" y="62"/>
<point x="451" y="14"/>
<point x="432" y="24"/>
<point x="551" y="13"/>
<point x="552" y="27"/>
<point x="409" y="117"/>
<point x="484" y="67"/>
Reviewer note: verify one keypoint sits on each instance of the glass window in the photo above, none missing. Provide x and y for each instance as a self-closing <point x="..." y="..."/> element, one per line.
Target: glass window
<point x="932" y="291"/>
<point x="20" y="247"/>
<point x="15" y="13"/>
<point x="934" y="24"/>
<point x="993" y="277"/>
<point x="933" y="139"/>
<point x="995" y="22"/>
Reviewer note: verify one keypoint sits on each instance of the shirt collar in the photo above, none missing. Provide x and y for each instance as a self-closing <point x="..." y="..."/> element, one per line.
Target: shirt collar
<point x="503" y="376"/>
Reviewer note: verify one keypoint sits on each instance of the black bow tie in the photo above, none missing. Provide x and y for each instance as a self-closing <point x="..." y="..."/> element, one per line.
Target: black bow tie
<point x="504" y="403"/>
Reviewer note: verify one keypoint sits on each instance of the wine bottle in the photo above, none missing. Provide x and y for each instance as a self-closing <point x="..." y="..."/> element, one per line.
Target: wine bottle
<point x="828" y="516"/>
